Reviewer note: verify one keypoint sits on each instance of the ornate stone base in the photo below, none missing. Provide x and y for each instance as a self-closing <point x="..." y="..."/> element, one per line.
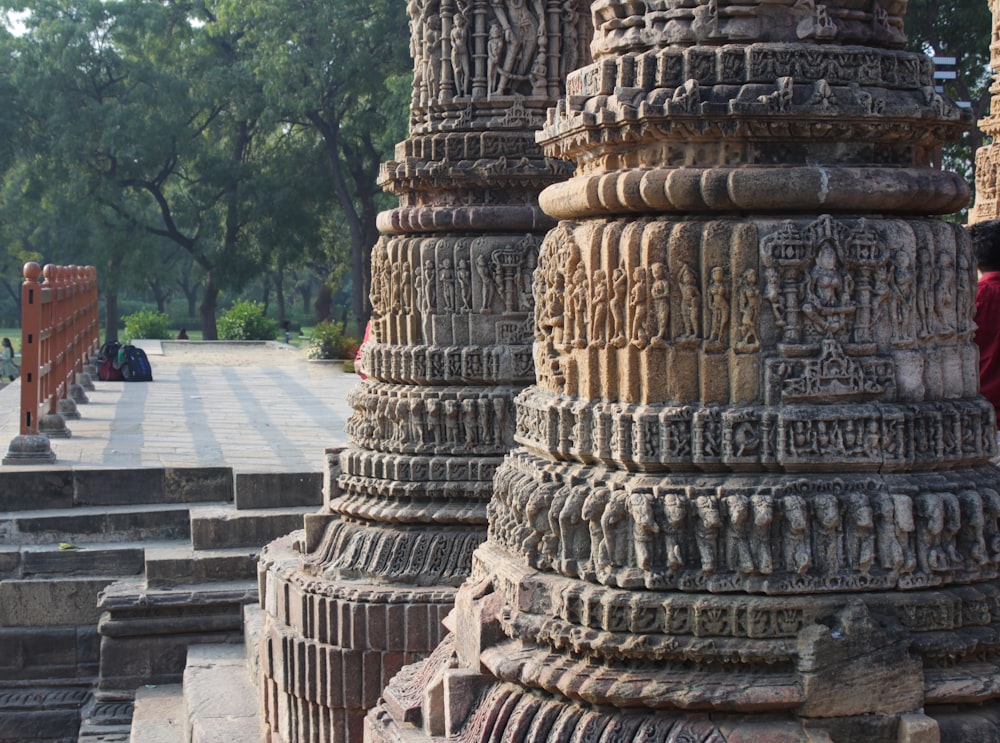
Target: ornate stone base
<point x="328" y="648"/>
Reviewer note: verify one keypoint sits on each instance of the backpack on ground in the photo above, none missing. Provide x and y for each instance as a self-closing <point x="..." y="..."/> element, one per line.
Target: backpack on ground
<point x="109" y="351"/>
<point x="108" y="372"/>
<point x="134" y="364"/>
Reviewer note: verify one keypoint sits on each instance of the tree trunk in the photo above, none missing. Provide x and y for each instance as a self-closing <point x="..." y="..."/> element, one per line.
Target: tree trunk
<point x="112" y="317"/>
<point x="209" y="303"/>
<point x="279" y="295"/>
<point x="324" y="303"/>
<point x="306" y="291"/>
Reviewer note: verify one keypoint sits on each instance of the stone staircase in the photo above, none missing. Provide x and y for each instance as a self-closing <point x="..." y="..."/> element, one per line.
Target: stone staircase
<point x="107" y="576"/>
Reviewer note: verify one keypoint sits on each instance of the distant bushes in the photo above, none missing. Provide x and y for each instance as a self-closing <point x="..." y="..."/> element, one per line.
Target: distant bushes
<point x="146" y="324"/>
<point x="246" y="321"/>
<point x="328" y="340"/>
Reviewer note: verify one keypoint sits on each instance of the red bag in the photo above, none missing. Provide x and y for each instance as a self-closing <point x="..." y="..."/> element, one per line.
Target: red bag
<point x="109" y="372"/>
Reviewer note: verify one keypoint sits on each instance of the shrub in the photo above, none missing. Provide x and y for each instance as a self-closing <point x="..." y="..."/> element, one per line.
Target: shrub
<point x="146" y="324"/>
<point x="246" y="321"/>
<point x="329" y="341"/>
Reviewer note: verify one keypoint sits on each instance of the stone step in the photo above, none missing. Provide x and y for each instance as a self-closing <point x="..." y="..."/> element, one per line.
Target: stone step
<point x="146" y="630"/>
<point x="181" y="564"/>
<point x="90" y="524"/>
<point x="217" y="528"/>
<point x="66" y="488"/>
<point x="95" y="558"/>
<point x="278" y="489"/>
<point x="33" y="652"/>
<point x="220" y="699"/>
<point x="159" y="715"/>
<point x="41" y="714"/>
<point x="51" y="600"/>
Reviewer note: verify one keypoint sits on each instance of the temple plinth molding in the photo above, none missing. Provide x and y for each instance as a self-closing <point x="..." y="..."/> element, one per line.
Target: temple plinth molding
<point x="752" y="497"/>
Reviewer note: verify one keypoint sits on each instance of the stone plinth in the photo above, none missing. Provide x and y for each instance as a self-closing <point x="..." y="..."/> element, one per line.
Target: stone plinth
<point x="451" y="340"/>
<point x="752" y="498"/>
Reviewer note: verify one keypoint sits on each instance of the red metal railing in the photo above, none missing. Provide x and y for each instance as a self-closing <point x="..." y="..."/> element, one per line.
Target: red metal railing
<point x="60" y="331"/>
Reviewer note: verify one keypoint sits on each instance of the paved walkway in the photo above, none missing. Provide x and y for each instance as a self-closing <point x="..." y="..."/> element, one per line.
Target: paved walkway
<point x="254" y="408"/>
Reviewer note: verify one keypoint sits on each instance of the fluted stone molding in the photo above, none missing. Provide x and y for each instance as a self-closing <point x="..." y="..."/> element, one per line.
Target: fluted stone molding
<point x="752" y="498"/>
<point x="987" y="205"/>
<point x="364" y="589"/>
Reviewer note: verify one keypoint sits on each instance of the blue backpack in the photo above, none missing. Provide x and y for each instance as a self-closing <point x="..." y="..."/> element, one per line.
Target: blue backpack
<point x="134" y="364"/>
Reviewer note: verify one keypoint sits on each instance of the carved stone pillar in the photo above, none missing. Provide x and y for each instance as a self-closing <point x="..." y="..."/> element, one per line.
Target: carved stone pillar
<point x="364" y="591"/>
<point x="987" y="205"/>
<point x="753" y="498"/>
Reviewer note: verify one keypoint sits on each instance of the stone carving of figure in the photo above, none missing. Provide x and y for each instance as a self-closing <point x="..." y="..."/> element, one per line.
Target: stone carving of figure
<point x="536" y="515"/>
<point x="551" y="545"/>
<point x="487" y="284"/>
<point x="470" y="422"/>
<point x="859" y="529"/>
<point x="406" y="288"/>
<point x="944" y="293"/>
<point x="903" y="285"/>
<point x="906" y="525"/>
<point x="690" y="301"/>
<point x="973" y="542"/>
<point x="599" y="308"/>
<point x="930" y="522"/>
<point x="575" y="538"/>
<point x="639" y="308"/>
<point x="593" y="510"/>
<point x="828" y="292"/>
<point x="659" y="292"/>
<point x="718" y="307"/>
<point x="925" y="292"/>
<point x="446" y="280"/>
<point x="432" y="58"/>
<point x="991" y="522"/>
<point x="760" y="535"/>
<point x="890" y="552"/>
<point x="614" y="543"/>
<point x="952" y="525"/>
<point x="460" y="53"/>
<point x="748" y="306"/>
<point x="415" y="422"/>
<point x="706" y="531"/>
<point x="826" y="510"/>
<point x="675" y="512"/>
<point x="736" y="534"/>
<point x="452" y="414"/>
<point x="494" y="53"/>
<point x="619" y="283"/>
<point x="429" y="287"/>
<point x="464" y="277"/>
<point x="527" y="301"/>
<point x="796" y="534"/>
<point x="520" y="36"/>
<point x="579" y="304"/>
<point x="570" y="39"/>
<point x="645" y="528"/>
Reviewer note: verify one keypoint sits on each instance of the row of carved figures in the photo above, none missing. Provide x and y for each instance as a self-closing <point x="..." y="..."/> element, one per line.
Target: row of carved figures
<point x="828" y="279"/>
<point x="470" y="276"/>
<point x="473" y="48"/>
<point x="428" y="422"/>
<point x="824" y="530"/>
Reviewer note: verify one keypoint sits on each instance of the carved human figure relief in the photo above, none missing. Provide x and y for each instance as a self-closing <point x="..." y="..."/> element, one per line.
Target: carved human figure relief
<point x="859" y="532"/>
<point x="463" y="276"/>
<point x="579" y="304"/>
<point x="690" y="301"/>
<point x="639" y="308"/>
<point x="944" y="293"/>
<point x="574" y="535"/>
<point x="593" y="510"/>
<point x="459" y="37"/>
<point x="972" y="535"/>
<point x="432" y="59"/>
<point x="619" y="286"/>
<point x="613" y="551"/>
<point x="406" y="288"/>
<point x="487" y="284"/>
<point x="446" y="280"/>
<point x="551" y="545"/>
<point x="737" y="542"/>
<point x="659" y="292"/>
<point x="644" y="529"/>
<point x="931" y="556"/>
<point x="718" y="308"/>
<point x="599" y="309"/>
<point x="762" y="505"/>
<point x="707" y="527"/>
<point x="675" y="512"/>
<point x="991" y="522"/>
<point x="748" y="306"/>
<point x="890" y="552"/>
<point x="925" y="292"/>
<point x="798" y="558"/>
<point x="826" y="532"/>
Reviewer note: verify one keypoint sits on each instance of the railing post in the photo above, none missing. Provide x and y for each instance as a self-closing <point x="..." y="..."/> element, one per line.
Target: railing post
<point x="77" y="326"/>
<point x="30" y="446"/>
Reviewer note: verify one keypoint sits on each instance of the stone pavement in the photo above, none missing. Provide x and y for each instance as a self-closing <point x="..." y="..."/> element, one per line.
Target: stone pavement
<point x="252" y="407"/>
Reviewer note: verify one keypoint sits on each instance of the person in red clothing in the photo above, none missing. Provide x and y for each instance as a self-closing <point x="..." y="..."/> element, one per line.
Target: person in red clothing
<point x="986" y="247"/>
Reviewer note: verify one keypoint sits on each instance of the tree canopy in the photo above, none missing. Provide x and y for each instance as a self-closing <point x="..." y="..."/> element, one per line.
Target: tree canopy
<point x="245" y="135"/>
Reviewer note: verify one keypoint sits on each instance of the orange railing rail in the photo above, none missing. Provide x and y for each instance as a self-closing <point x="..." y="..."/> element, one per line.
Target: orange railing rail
<point x="59" y="334"/>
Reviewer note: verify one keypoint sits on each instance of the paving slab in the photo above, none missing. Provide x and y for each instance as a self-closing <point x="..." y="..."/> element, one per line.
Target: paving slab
<point x="257" y="408"/>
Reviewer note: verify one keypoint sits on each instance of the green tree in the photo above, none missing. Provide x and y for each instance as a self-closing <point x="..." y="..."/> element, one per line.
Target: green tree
<point x="340" y="70"/>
